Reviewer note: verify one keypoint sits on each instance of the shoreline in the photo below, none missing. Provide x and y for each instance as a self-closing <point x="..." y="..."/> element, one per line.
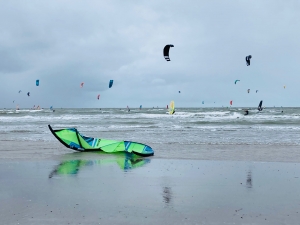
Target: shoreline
<point x="51" y="150"/>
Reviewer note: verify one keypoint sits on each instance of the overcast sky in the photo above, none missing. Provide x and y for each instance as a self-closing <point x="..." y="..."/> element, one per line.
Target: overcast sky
<point x="65" y="42"/>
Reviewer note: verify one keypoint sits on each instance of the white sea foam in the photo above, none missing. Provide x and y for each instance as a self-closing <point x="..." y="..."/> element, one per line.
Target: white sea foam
<point x="216" y="126"/>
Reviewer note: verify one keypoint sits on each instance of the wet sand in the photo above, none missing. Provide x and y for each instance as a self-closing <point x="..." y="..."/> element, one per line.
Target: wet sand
<point x="39" y="150"/>
<point x="91" y="188"/>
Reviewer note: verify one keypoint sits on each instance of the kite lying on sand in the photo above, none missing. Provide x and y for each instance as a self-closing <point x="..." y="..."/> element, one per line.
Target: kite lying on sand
<point x="71" y="138"/>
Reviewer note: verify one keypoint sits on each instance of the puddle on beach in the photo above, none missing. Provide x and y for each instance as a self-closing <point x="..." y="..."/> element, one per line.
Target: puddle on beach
<point x="101" y="186"/>
<point x="70" y="164"/>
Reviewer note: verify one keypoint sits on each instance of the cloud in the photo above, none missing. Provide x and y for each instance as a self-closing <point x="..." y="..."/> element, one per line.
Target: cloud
<point x="64" y="43"/>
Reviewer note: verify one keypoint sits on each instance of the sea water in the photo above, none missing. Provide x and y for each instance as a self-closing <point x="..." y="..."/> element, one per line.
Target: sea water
<point x="189" y="133"/>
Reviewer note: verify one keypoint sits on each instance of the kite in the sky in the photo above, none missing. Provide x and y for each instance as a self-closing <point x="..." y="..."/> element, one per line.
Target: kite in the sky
<point x="230" y="102"/>
<point x="248" y="60"/>
<point x="256" y="91"/>
<point x="81" y="85"/>
<point x="248" y="90"/>
<point x="28" y="93"/>
<point x="166" y="52"/>
<point x="236" y="81"/>
<point x="179" y="92"/>
<point x="20" y="91"/>
<point x="37" y="82"/>
<point x="110" y="83"/>
<point x="98" y="97"/>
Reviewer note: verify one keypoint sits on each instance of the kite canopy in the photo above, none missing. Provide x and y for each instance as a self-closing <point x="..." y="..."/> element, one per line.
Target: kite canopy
<point x="260" y="106"/>
<point x="230" y="102"/>
<point x="28" y="93"/>
<point x="98" y="96"/>
<point x="172" y="108"/>
<point x="248" y="90"/>
<point x="81" y="85"/>
<point x="236" y="81"/>
<point x="37" y="82"/>
<point x="110" y="83"/>
<point x="71" y="138"/>
<point x="166" y="52"/>
<point x="248" y="60"/>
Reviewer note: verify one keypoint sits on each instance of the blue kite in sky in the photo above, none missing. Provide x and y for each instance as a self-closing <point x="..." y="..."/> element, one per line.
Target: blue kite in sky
<point x="111" y="83"/>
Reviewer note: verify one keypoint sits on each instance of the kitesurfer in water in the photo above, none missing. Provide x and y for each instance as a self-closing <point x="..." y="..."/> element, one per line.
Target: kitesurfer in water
<point x="260" y="108"/>
<point x="246" y="112"/>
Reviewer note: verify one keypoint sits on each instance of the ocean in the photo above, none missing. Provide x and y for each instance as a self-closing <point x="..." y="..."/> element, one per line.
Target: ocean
<point x="211" y="166"/>
<point x="192" y="133"/>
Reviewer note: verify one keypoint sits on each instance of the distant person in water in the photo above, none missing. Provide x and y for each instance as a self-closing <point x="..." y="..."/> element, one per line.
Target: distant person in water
<point x="246" y="112"/>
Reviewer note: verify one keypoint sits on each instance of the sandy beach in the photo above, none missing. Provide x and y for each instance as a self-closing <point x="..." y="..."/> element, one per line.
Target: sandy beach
<point x="206" y="91"/>
<point x="64" y="187"/>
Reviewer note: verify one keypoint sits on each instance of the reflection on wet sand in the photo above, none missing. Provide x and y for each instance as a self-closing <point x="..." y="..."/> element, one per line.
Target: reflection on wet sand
<point x="249" y="179"/>
<point x="167" y="195"/>
<point x="71" y="166"/>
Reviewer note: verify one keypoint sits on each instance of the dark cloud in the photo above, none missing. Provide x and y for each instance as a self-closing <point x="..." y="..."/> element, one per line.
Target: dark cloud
<point x="64" y="43"/>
